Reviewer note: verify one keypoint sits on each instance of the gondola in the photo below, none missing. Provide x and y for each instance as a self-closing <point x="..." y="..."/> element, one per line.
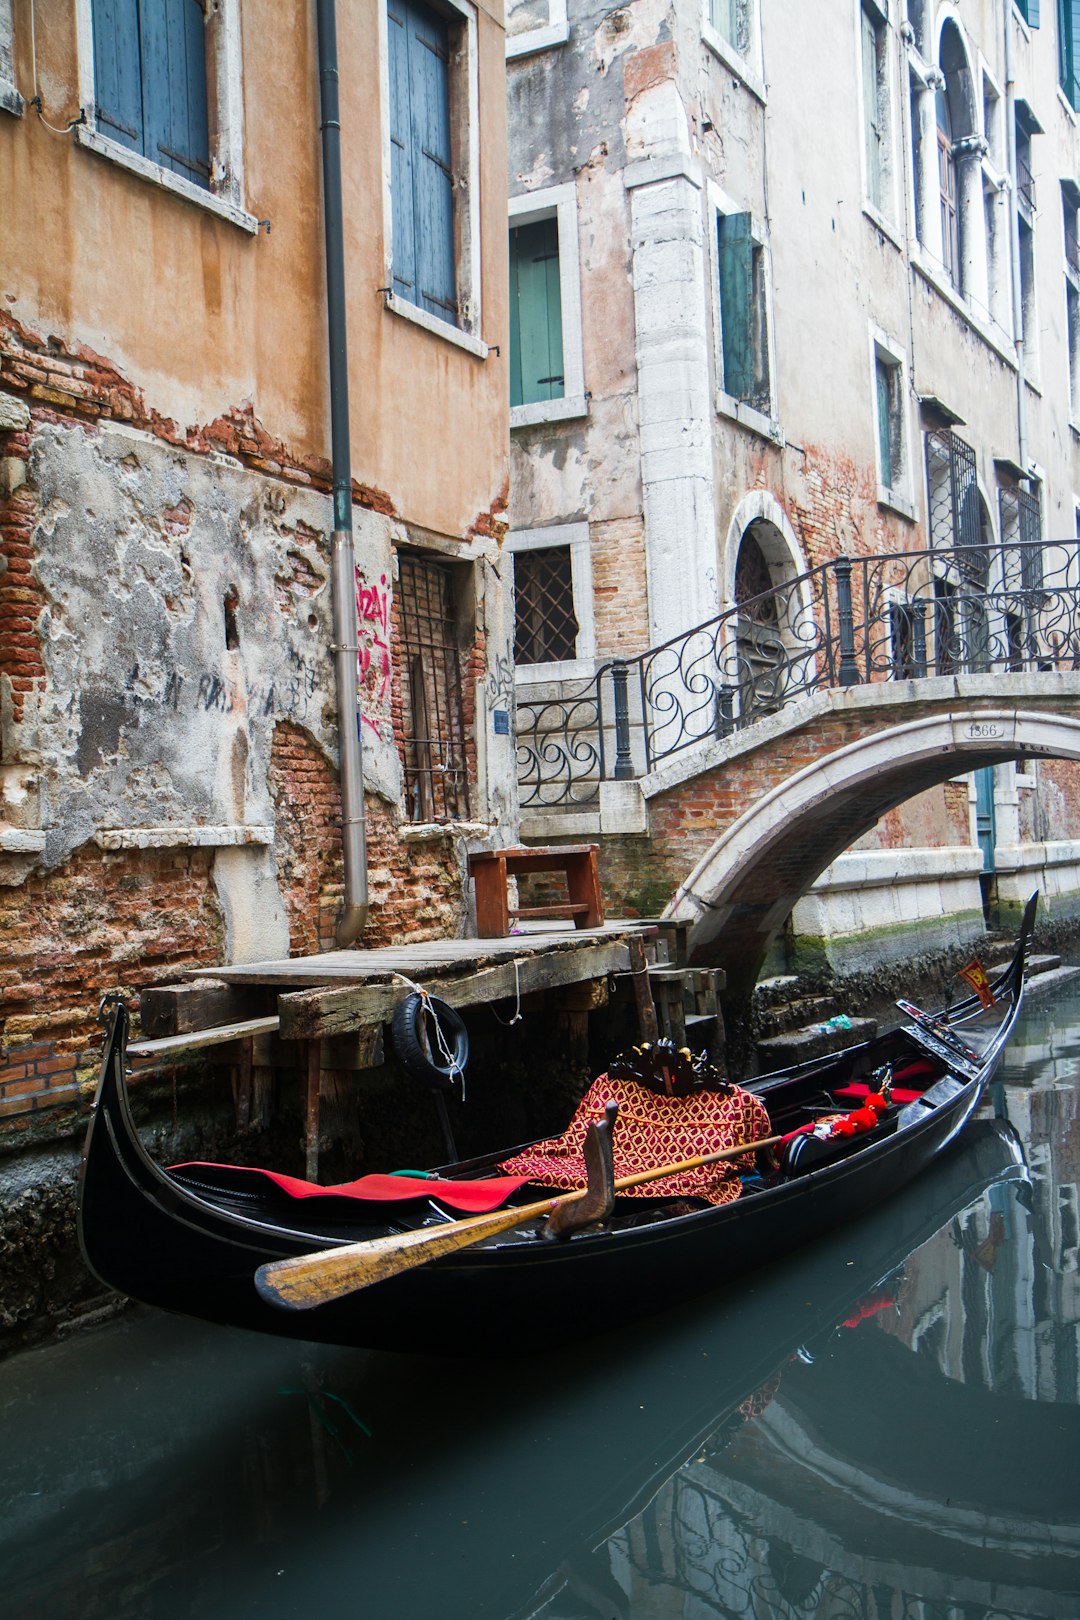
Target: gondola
<point x="192" y="1239"/>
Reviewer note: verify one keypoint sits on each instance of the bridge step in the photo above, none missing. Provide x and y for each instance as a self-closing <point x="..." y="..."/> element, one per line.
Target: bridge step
<point x="780" y="1051"/>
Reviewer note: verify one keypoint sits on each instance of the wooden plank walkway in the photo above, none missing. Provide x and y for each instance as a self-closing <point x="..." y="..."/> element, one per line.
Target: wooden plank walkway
<point x="353" y="993"/>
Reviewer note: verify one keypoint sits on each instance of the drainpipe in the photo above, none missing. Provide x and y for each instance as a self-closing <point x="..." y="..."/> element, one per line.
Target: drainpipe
<point x="342" y="564"/>
<point x="1014" y="243"/>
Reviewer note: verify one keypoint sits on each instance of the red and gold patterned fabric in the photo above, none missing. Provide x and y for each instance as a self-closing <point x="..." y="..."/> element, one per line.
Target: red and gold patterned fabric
<point x="651" y="1131"/>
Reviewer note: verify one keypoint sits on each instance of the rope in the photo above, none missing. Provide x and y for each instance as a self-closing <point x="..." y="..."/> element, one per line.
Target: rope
<point x="456" y="1072"/>
<point x="508" y="1023"/>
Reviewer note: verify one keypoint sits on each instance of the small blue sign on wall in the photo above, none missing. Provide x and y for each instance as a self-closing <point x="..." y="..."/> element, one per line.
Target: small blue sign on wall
<point x="501" y="718"/>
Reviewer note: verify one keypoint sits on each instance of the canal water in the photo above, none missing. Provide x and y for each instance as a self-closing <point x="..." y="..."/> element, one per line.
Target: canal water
<point x="885" y="1425"/>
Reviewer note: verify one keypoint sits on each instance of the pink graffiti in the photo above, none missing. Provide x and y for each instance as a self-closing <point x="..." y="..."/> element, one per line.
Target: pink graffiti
<point x="373" y="638"/>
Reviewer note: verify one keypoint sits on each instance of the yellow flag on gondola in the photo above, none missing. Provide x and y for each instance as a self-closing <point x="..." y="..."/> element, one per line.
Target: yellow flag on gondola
<point x="975" y="975"/>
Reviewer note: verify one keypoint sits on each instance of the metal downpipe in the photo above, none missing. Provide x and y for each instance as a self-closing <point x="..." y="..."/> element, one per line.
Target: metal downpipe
<point x="354" y="911"/>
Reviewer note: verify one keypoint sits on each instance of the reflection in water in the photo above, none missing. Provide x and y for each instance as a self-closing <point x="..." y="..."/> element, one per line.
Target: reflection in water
<point x="883" y="1426"/>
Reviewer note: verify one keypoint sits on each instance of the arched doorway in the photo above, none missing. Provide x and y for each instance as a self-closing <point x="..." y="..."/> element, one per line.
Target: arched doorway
<point x="759" y="626"/>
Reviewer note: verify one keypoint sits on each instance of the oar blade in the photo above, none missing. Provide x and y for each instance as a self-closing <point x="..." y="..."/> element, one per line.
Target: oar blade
<point x="308" y="1280"/>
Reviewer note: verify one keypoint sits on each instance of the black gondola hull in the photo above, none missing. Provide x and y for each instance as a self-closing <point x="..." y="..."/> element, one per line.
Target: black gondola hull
<point x="146" y="1235"/>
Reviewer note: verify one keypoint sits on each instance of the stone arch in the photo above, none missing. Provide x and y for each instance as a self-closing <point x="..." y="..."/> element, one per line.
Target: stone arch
<point x="762" y="512"/>
<point x="762" y="555"/>
<point x="741" y="892"/>
<point x="954" y="60"/>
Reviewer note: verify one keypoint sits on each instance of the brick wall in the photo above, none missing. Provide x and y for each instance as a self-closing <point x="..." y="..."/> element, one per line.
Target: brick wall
<point x="99" y="922"/>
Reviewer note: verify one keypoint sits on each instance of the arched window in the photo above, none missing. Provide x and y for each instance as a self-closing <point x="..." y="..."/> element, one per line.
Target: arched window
<point x="950" y="215"/>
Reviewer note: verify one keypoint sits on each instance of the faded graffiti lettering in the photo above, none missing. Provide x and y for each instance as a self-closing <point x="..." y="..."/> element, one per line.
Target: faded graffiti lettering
<point x="500" y="681"/>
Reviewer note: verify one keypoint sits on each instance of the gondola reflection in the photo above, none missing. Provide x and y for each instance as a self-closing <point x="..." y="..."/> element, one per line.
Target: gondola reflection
<point x="884" y="1426"/>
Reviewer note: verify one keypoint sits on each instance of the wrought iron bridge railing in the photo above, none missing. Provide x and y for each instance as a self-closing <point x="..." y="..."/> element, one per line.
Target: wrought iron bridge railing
<point x="898" y="617"/>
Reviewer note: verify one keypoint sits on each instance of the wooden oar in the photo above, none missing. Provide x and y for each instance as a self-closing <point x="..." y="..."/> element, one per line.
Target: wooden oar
<point x="316" y="1279"/>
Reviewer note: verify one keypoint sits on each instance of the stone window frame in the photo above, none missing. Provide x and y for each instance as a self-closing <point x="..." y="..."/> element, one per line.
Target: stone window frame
<point x="558" y="203"/>
<point x="556" y="31"/>
<point x="10" y="99"/>
<point x="717" y="203"/>
<point x="576" y="537"/>
<point x="884" y="213"/>
<point x="225" y="92"/>
<point x="747" y="66"/>
<point x="899" y="496"/>
<point x="465" y="126"/>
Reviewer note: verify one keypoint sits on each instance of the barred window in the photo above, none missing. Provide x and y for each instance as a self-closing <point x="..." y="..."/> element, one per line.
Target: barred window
<point x="546" y="627"/>
<point x="436" y="784"/>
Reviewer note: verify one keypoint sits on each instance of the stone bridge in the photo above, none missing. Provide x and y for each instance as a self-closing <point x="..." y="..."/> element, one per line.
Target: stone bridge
<point x="742" y="826"/>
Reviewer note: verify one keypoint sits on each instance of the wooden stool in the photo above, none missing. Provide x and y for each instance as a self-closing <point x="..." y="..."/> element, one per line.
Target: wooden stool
<point x="491" y="870"/>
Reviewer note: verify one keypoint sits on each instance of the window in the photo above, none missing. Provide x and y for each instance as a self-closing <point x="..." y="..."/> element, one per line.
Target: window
<point x="744" y="315"/>
<point x="950" y="218"/>
<point x="731" y="19"/>
<point x="891" y="437"/>
<point x="1069" y="50"/>
<point x="432" y="221"/>
<point x="955" y="507"/>
<point x="1029" y="10"/>
<point x="1070" y="199"/>
<point x="875" y="92"/>
<point x="534" y="25"/>
<point x="731" y="30"/>
<point x="161" y="84"/>
<point x="536" y="347"/>
<point x="545" y="625"/>
<point x="422" y="159"/>
<point x="436" y="782"/>
<point x="546" y="368"/>
<point x="1029" y="329"/>
<point x="554" y="635"/>
<point x="150" y="81"/>
<point x="10" y="99"/>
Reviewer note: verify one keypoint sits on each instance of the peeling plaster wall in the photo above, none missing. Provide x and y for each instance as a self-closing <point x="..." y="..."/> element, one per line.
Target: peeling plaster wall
<point x="150" y="716"/>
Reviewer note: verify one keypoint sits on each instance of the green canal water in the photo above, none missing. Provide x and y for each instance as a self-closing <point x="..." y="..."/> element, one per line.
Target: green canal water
<point x="884" y="1425"/>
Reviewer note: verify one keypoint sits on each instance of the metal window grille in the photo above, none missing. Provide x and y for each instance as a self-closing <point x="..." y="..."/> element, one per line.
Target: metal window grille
<point x="955" y="506"/>
<point x="436" y="782"/>
<point x="546" y="628"/>
<point x="1021" y="537"/>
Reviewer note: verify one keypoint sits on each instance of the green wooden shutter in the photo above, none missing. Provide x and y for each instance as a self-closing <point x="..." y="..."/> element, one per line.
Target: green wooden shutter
<point x="536" y="339"/>
<point x="1069" y="49"/>
<point x="1029" y="10"/>
<point x="884" y="411"/>
<point x="724" y="15"/>
<point x="737" y="303"/>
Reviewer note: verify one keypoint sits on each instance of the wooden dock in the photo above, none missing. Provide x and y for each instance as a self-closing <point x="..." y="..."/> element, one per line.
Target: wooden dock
<point x="333" y="1007"/>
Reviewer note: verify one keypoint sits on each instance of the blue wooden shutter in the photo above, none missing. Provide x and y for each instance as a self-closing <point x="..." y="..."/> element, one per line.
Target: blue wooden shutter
<point x="421" y="179"/>
<point x="536" y="340"/>
<point x="150" y="81"/>
<point x="1069" y="49"/>
<point x="1029" y="10"/>
<point x="401" y="165"/>
<point x="736" y="303"/>
<point x="117" y="72"/>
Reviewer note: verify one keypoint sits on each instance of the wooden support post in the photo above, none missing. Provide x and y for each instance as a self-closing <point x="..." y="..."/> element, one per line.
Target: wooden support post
<point x="639" y="973"/>
<point x="243" y="1086"/>
<point x="314" y="1071"/>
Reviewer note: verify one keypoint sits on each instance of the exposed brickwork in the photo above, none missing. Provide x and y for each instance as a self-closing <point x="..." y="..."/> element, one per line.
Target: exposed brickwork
<point x="21" y="596"/>
<point x="414" y="889"/>
<point x="99" y="922"/>
<point x="61" y="381"/>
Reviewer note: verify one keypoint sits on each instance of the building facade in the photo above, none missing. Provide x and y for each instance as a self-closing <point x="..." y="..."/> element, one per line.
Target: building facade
<point x="791" y="284"/>
<point x="168" y="753"/>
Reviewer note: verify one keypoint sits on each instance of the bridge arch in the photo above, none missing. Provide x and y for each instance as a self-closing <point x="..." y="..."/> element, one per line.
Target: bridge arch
<point x="742" y="890"/>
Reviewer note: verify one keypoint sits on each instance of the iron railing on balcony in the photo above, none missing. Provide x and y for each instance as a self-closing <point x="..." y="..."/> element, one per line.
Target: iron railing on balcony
<point x="896" y="617"/>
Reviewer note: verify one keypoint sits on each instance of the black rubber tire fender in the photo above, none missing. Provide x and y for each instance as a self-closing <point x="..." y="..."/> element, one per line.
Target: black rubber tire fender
<point x="407" y="1030"/>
